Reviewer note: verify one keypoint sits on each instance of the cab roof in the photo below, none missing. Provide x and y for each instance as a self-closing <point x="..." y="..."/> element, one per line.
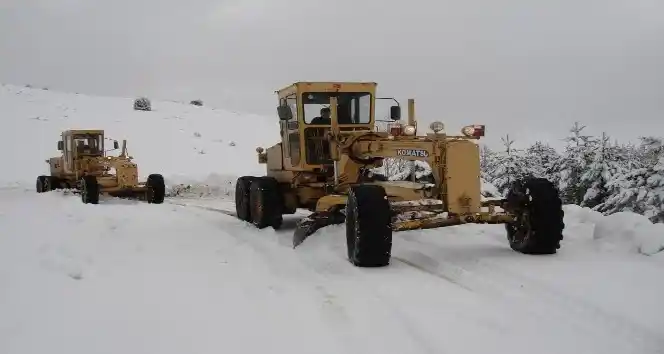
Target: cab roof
<point x="83" y="131"/>
<point x="327" y="86"/>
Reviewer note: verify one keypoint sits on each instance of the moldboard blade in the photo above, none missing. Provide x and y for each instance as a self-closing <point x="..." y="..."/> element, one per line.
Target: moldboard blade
<point x="310" y="224"/>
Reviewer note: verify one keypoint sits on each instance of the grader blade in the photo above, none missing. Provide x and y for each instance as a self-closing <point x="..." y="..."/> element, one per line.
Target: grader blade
<point x="317" y="220"/>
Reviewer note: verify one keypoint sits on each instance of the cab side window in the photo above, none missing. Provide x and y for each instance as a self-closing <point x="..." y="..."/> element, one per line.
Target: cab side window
<point x="292" y="127"/>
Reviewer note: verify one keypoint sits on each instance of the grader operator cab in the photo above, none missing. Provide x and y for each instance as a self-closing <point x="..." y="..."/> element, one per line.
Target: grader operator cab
<point x="321" y="165"/>
<point x="85" y="168"/>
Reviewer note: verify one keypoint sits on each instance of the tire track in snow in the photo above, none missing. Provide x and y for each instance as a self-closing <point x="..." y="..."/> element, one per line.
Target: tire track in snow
<point x="336" y="308"/>
<point x="282" y="265"/>
<point x="540" y="299"/>
<point x="502" y="285"/>
<point x="430" y="272"/>
<point x="498" y="283"/>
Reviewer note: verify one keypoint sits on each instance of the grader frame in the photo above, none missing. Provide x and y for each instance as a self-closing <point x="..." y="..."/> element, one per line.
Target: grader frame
<point x="85" y="168"/>
<point x="324" y="166"/>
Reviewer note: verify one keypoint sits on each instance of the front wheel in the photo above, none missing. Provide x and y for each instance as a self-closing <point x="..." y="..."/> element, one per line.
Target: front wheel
<point x="368" y="226"/>
<point x="156" y="189"/>
<point x="538" y="225"/>
<point x="89" y="190"/>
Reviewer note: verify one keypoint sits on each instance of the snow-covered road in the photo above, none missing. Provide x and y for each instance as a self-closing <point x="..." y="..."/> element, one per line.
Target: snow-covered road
<point x="183" y="277"/>
<point x="128" y="277"/>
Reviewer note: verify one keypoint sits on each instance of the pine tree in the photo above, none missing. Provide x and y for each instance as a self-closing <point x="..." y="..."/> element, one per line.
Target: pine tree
<point x="541" y="160"/>
<point x="487" y="163"/>
<point x="573" y="163"/>
<point x="607" y="163"/>
<point x="509" y="166"/>
<point x="630" y="156"/>
<point x="655" y="201"/>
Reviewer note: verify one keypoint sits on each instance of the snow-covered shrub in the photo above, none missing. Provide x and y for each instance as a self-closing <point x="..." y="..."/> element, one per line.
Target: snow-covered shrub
<point x="142" y="104"/>
<point x="510" y="165"/>
<point x="640" y="190"/>
<point x="196" y="103"/>
<point x="590" y="172"/>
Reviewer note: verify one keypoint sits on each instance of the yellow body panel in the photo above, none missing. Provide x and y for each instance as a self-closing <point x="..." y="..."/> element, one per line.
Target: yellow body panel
<point x="462" y="177"/>
<point x="454" y="159"/>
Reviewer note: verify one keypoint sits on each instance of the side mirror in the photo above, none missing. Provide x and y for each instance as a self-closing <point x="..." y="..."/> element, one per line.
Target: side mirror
<point x="116" y="145"/>
<point x="61" y="145"/>
<point x="284" y="112"/>
<point x="395" y="112"/>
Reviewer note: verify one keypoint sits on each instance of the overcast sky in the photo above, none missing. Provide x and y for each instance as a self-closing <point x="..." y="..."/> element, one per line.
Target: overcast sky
<point x="528" y="68"/>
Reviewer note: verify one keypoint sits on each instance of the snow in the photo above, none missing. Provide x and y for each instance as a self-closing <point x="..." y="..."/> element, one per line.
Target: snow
<point x="623" y="231"/>
<point x="490" y="191"/>
<point x="186" y="277"/>
<point x="163" y="140"/>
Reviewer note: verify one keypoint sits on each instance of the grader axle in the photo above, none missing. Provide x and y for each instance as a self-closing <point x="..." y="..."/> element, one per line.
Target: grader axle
<point x="408" y="215"/>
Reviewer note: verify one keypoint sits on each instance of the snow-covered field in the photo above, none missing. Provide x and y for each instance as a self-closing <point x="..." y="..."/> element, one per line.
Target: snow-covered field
<point x="185" y="277"/>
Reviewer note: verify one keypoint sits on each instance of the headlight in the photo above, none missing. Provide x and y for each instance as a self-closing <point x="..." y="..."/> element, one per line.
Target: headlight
<point x="473" y="131"/>
<point x="437" y="126"/>
<point x="409" y="130"/>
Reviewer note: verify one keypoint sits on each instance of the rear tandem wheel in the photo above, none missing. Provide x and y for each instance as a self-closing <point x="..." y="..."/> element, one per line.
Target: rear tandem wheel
<point x="266" y="203"/>
<point x="258" y="200"/>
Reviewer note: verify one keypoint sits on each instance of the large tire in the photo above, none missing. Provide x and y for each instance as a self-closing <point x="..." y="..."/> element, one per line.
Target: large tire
<point x="89" y="190"/>
<point x="56" y="183"/>
<point x="42" y="185"/>
<point x="266" y="203"/>
<point x="538" y="228"/>
<point x="368" y="226"/>
<point x="242" y="209"/>
<point x="156" y="189"/>
<point x="47" y="184"/>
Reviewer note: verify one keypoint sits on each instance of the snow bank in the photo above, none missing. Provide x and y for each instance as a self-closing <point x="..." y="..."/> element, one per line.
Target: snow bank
<point x="214" y="185"/>
<point x="620" y="231"/>
<point x="631" y="230"/>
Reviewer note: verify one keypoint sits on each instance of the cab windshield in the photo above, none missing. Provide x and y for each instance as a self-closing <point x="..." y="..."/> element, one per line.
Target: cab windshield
<point x="88" y="144"/>
<point x="352" y="107"/>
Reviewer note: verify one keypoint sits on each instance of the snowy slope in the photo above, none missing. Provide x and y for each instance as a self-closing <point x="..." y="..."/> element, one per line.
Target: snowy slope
<point x="185" y="277"/>
<point x="164" y="140"/>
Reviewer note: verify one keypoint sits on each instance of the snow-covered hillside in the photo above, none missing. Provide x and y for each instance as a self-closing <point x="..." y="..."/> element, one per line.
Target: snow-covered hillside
<point x="186" y="277"/>
<point x="175" y="139"/>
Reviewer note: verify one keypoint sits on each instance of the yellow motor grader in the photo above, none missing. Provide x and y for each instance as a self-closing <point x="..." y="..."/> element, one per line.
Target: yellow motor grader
<point x="85" y="167"/>
<point x="329" y="145"/>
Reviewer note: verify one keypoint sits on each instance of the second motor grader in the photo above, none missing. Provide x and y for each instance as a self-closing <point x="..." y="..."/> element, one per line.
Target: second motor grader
<point x="85" y="167"/>
<point x="328" y="145"/>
